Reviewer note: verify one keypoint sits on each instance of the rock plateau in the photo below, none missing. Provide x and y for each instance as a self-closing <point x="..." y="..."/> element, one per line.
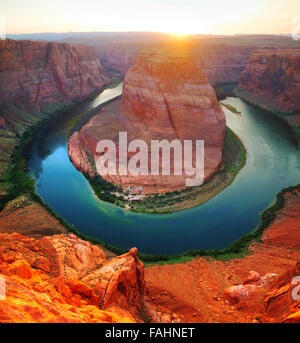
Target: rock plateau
<point x="165" y="96"/>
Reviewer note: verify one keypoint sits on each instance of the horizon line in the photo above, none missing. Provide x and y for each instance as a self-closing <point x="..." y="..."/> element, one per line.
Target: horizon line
<point x="146" y="31"/>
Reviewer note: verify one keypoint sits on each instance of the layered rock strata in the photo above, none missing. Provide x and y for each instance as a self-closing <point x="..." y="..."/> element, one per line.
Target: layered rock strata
<point x="165" y="96"/>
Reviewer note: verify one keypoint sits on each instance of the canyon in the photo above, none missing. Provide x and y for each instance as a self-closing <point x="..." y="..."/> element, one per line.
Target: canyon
<point x="165" y="96"/>
<point x="54" y="276"/>
<point x="62" y="278"/>
<point x="39" y="79"/>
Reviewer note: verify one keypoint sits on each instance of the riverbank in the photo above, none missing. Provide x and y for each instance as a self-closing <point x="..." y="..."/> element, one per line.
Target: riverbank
<point x="224" y="89"/>
<point x="206" y="278"/>
<point x="232" y="109"/>
<point x="290" y="119"/>
<point x="239" y="248"/>
<point x="25" y="185"/>
<point x="38" y="218"/>
<point x="78" y="121"/>
<point x="234" y="158"/>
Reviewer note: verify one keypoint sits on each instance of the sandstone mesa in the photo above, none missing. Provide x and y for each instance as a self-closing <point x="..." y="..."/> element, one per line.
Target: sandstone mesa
<point x="165" y="96"/>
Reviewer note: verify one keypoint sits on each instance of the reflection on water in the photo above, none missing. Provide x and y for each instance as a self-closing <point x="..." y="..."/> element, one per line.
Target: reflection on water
<point x="272" y="164"/>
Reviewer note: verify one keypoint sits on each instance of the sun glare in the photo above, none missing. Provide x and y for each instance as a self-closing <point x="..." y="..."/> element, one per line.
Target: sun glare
<point x="181" y="32"/>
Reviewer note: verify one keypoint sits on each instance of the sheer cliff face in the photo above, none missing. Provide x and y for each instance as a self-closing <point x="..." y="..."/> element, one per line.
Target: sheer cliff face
<point x="170" y="91"/>
<point x="273" y="77"/>
<point x="41" y="73"/>
<point x="165" y="96"/>
<point x="38" y="79"/>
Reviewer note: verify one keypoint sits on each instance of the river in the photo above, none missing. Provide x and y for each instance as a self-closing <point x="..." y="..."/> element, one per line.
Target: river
<point x="273" y="163"/>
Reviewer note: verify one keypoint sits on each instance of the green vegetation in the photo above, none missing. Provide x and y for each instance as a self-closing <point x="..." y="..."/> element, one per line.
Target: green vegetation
<point x="105" y="190"/>
<point x="21" y="192"/>
<point x="232" y="109"/>
<point x="20" y="202"/>
<point x="234" y="158"/>
<point x="18" y="182"/>
<point x="239" y="248"/>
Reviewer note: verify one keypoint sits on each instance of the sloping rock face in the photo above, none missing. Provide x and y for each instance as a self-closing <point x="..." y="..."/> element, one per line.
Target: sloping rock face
<point x="65" y="279"/>
<point x="165" y="96"/>
<point x="272" y="80"/>
<point x="28" y="218"/>
<point x="38" y="79"/>
<point x="41" y="73"/>
<point x="252" y="288"/>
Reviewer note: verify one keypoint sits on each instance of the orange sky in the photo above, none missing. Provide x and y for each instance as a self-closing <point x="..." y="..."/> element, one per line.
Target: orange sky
<point x="175" y="16"/>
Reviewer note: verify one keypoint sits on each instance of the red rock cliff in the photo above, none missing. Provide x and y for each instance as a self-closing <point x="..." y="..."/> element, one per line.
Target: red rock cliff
<point x="165" y="96"/>
<point x="282" y="302"/>
<point x="37" y="79"/>
<point x="43" y="73"/>
<point x="65" y="279"/>
<point x="272" y="80"/>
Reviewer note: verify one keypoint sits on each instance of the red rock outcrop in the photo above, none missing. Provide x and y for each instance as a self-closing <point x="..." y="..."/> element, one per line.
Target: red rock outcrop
<point x="165" y="96"/>
<point x="272" y="80"/>
<point x="282" y="302"/>
<point x="38" y="79"/>
<point x="237" y="293"/>
<point x="65" y="279"/>
<point x="42" y="74"/>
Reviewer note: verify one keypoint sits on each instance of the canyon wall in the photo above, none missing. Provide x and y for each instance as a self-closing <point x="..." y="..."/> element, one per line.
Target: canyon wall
<point x="272" y="80"/>
<point x="42" y="74"/>
<point x="165" y="96"/>
<point x="38" y="79"/>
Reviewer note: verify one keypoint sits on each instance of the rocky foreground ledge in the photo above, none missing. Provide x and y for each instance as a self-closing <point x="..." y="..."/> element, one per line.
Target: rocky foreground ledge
<point x="65" y="279"/>
<point x="62" y="278"/>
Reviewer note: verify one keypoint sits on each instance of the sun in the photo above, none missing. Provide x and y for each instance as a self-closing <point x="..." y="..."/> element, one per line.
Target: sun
<point x="181" y="31"/>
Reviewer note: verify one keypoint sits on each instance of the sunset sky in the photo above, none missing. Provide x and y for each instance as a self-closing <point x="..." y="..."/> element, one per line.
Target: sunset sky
<point x="174" y="16"/>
